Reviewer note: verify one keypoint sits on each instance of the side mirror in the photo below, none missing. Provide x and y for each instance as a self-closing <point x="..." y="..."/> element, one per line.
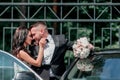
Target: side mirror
<point x="24" y="75"/>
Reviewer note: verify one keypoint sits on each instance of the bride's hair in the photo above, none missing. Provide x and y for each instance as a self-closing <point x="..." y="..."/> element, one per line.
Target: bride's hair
<point x="19" y="39"/>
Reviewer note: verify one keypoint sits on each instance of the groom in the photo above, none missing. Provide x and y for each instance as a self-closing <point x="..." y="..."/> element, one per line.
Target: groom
<point x="53" y="65"/>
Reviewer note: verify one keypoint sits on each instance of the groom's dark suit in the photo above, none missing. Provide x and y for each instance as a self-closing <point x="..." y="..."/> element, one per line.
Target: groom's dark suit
<point x="57" y="64"/>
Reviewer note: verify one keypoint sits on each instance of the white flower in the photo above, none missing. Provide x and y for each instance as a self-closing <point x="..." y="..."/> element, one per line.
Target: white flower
<point x="84" y="53"/>
<point x="80" y="48"/>
<point x="84" y="41"/>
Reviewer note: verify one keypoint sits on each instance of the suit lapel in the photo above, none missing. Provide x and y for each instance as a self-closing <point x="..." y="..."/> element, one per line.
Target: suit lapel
<point x="56" y="44"/>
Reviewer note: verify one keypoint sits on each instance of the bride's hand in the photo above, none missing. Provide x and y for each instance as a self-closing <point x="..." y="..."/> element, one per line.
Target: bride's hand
<point x="42" y="42"/>
<point x="90" y="46"/>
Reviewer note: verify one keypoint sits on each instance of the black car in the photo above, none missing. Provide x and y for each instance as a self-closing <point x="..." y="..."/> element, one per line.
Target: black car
<point x="105" y="66"/>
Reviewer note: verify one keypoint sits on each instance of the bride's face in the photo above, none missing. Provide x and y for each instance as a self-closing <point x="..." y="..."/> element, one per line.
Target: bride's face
<point x="28" y="39"/>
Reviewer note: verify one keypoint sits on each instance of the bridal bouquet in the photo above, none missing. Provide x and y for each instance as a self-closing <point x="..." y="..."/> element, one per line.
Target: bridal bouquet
<point x="81" y="48"/>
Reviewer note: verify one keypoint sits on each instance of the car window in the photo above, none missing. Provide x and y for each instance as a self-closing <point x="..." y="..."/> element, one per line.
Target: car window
<point x="105" y="68"/>
<point x="12" y="68"/>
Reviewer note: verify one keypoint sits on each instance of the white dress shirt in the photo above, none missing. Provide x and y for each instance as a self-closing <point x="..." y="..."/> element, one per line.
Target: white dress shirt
<point x="48" y="50"/>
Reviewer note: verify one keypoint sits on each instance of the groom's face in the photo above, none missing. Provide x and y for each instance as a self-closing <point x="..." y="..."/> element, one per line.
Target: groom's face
<point x="35" y="31"/>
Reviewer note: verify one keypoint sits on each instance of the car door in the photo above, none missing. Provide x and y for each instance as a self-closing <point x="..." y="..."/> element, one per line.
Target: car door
<point x="12" y="68"/>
